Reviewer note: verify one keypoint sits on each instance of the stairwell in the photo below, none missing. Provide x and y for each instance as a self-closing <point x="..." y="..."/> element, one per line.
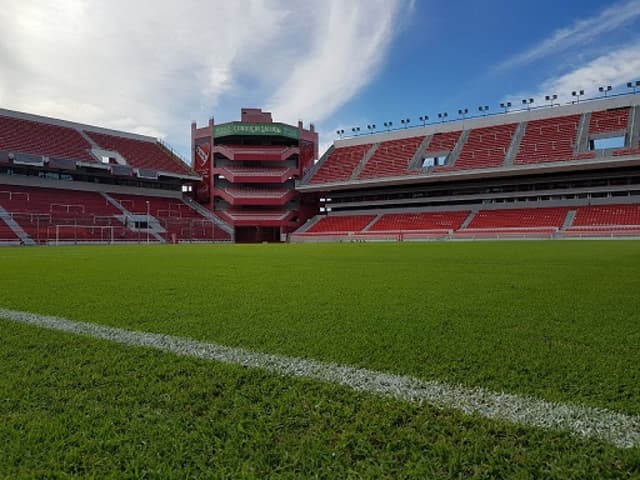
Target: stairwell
<point x="310" y="223"/>
<point x="568" y="221"/>
<point x="582" y="137"/>
<point x="469" y="218"/>
<point x="455" y="153"/>
<point x="312" y="171"/>
<point x="367" y="156"/>
<point x="129" y="218"/>
<point x="416" y="161"/>
<point x="634" y="127"/>
<point x="372" y="222"/>
<point x="209" y="215"/>
<point x="514" y="147"/>
<point x="17" y="229"/>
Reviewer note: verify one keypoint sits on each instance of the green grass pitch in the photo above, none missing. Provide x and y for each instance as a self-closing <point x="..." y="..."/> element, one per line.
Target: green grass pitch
<point x="553" y="320"/>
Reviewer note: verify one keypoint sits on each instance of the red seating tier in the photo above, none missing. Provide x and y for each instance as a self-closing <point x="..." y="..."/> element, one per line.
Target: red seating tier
<point x="609" y="121"/>
<point x="485" y="147"/>
<point x="391" y="158"/>
<point x="340" y="164"/>
<point x="420" y="221"/>
<point x="341" y="223"/>
<point x="520" y="218"/>
<point x="39" y="138"/>
<point x="6" y="233"/>
<point x="602" y="215"/>
<point x="141" y="154"/>
<point x="548" y="140"/>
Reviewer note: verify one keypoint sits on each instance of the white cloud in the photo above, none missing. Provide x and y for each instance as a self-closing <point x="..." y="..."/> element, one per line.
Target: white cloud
<point x="152" y="66"/>
<point x="578" y="34"/>
<point x="348" y="45"/>
<point x="615" y="68"/>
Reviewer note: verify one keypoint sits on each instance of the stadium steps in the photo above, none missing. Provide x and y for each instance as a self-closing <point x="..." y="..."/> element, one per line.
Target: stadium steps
<point x="309" y="224"/>
<point x="93" y="143"/>
<point x="633" y="128"/>
<point x="568" y="221"/>
<point x="132" y="217"/>
<point x="455" y="153"/>
<point x="469" y="218"/>
<point x="416" y="161"/>
<point x="209" y="215"/>
<point x="312" y="171"/>
<point x="372" y="222"/>
<point x="515" y="144"/>
<point x="364" y="161"/>
<point x="17" y="229"/>
<point x="582" y="137"/>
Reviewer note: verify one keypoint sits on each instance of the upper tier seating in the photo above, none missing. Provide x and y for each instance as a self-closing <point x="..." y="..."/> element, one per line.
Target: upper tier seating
<point x="38" y="138"/>
<point x="141" y="153"/>
<point x="419" y="221"/>
<point x="340" y="164"/>
<point x="548" y="140"/>
<point x="547" y="217"/>
<point x="391" y="158"/>
<point x="485" y="147"/>
<point x="341" y="224"/>
<point x="609" y="121"/>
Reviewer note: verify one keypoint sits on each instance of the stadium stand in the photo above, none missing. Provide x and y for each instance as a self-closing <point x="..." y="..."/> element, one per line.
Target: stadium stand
<point x="6" y="233"/>
<point x="484" y="148"/>
<point x="607" y="121"/>
<point x="147" y="154"/>
<point x="396" y="222"/>
<point x="341" y="224"/>
<point x="548" y="140"/>
<point x="27" y="136"/>
<point x="340" y="164"/>
<point x="612" y="220"/>
<point x="391" y="158"/>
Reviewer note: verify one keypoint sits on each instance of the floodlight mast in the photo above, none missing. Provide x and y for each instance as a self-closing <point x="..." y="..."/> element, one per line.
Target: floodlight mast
<point x="577" y="94"/>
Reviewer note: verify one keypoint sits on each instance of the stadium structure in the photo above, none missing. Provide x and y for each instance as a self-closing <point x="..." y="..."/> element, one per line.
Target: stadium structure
<point x="570" y="171"/>
<point x="249" y="171"/>
<point x="553" y="172"/>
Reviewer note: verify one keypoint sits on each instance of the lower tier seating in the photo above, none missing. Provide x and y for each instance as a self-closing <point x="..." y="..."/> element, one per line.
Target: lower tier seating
<point x="393" y="222"/>
<point x="49" y="215"/>
<point x="6" y="233"/>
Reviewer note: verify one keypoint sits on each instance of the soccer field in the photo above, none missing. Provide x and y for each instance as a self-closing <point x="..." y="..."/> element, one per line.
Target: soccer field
<point x="542" y="321"/>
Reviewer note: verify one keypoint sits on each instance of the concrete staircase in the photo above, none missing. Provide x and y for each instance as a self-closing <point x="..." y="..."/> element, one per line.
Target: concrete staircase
<point x="416" y="160"/>
<point x="455" y="153"/>
<point x="153" y="225"/>
<point x="17" y="229"/>
<point x="469" y="218"/>
<point x="312" y="171"/>
<point x="582" y="137"/>
<point x="367" y="156"/>
<point x="514" y="147"/>
<point x="209" y="215"/>
<point x="374" y="220"/>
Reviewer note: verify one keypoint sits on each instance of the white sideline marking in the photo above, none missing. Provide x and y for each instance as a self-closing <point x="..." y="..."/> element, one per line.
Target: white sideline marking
<point x="617" y="428"/>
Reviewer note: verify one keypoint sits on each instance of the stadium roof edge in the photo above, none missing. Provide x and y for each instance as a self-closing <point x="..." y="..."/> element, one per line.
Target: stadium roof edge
<point x="66" y="123"/>
<point x="627" y="100"/>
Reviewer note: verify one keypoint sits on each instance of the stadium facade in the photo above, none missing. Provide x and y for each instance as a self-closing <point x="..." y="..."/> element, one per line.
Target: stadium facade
<point x="249" y="171"/>
<point x="563" y="171"/>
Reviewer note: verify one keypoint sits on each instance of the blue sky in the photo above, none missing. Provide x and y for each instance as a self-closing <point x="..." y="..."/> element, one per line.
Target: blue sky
<point x="153" y="66"/>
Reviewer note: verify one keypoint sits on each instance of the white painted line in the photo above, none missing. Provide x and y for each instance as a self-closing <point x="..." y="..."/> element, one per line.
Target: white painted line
<point x="617" y="428"/>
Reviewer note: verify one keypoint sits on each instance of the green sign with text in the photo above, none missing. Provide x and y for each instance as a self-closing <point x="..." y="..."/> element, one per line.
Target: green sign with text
<point x="238" y="128"/>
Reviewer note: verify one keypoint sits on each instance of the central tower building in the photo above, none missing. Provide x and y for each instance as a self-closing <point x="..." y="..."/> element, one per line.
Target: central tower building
<point x="249" y="170"/>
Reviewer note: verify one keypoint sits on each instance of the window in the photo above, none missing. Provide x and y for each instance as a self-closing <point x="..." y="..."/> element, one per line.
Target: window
<point x="433" y="161"/>
<point x="607" y="143"/>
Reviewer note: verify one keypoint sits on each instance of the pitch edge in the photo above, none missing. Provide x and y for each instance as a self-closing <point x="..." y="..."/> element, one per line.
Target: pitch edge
<point x="619" y="429"/>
